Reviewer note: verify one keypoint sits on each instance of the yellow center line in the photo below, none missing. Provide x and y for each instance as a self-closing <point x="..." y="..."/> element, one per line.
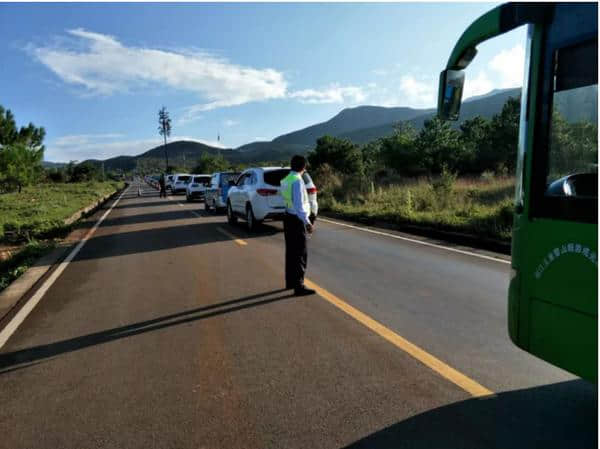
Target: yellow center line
<point x="444" y="370"/>
<point x="231" y="236"/>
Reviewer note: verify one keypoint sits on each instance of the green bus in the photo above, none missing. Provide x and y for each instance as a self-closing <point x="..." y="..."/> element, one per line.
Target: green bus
<point x="553" y="291"/>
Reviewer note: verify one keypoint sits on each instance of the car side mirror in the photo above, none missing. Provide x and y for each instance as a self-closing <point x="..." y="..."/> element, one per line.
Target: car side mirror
<point x="450" y="94"/>
<point x="231" y="183"/>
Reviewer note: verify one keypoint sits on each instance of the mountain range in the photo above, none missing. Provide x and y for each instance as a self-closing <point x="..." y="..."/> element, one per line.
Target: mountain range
<point x="360" y="125"/>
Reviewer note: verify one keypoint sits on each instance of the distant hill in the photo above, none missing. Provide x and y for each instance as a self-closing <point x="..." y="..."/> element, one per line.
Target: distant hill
<point x="360" y="125"/>
<point x="485" y="106"/>
<point x="186" y="153"/>
<point x="349" y="120"/>
<point x="48" y="164"/>
<point x="180" y="152"/>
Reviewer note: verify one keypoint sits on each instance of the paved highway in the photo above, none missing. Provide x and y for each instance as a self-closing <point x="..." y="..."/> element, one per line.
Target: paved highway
<point x="170" y="329"/>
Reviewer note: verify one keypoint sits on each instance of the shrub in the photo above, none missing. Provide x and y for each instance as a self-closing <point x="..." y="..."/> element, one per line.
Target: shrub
<point x="488" y="175"/>
<point x="443" y="187"/>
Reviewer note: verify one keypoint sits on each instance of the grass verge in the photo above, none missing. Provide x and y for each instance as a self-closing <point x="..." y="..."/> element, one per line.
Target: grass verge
<point x="37" y="216"/>
<point x="40" y="211"/>
<point x="477" y="207"/>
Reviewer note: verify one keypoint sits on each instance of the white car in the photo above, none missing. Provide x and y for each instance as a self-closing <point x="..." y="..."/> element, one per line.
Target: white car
<point x="256" y="196"/>
<point x="197" y="186"/>
<point x="169" y="182"/>
<point x="180" y="182"/>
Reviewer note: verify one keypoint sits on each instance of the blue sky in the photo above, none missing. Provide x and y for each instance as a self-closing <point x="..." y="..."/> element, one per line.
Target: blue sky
<point x="95" y="75"/>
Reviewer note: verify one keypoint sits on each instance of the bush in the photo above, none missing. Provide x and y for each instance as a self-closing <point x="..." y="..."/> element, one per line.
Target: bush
<point x="327" y="181"/>
<point x="56" y="175"/>
<point x="342" y="154"/>
<point x="443" y="187"/>
<point x="488" y="175"/>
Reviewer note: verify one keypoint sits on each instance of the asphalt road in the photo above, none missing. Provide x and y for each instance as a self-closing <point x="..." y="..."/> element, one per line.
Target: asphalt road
<point x="170" y="329"/>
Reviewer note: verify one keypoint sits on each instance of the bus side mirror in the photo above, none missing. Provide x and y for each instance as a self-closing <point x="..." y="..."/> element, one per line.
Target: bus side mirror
<point x="450" y="94"/>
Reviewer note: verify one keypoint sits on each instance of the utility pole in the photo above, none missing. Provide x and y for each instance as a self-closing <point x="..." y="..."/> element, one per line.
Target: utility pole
<point x="164" y="129"/>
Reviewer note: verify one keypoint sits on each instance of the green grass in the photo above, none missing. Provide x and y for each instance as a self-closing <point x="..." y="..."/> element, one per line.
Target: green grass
<point x="480" y="207"/>
<point x="40" y="211"/>
<point x="14" y="267"/>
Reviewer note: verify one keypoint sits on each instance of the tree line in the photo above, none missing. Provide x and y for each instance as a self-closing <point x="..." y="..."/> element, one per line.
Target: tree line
<point x="21" y="152"/>
<point x="479" y="145"/>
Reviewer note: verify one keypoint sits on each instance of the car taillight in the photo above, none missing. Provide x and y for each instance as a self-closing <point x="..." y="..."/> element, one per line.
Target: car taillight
<point x="266" y="192"/>
<point x="311" y="190"/>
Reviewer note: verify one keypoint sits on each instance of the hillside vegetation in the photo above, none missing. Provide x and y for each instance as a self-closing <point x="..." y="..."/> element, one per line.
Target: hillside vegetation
<point x="441" y="177"/>
<point x="360" y="125"/>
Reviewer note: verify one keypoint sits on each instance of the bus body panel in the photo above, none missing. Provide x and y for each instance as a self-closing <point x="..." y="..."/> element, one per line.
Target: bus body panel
<point x="553" y="290"/>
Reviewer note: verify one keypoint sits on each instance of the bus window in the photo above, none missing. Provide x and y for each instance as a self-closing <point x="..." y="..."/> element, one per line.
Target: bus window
<point x="573" y="140"/>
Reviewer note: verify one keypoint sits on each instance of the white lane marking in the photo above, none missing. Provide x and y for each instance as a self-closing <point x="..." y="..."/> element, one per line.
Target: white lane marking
<point x="420" y="242"/>
<point x="20" y="316"/>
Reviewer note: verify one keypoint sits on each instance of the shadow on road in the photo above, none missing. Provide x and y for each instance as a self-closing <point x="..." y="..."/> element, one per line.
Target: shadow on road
<point x="178" y="214"/>
<point x="561" y="415"/>
<point x="29" y="356"/>
<point x="158" y="239"/>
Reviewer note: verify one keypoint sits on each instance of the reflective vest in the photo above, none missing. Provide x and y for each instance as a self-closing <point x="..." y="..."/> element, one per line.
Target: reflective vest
<point x="286" y="191"/>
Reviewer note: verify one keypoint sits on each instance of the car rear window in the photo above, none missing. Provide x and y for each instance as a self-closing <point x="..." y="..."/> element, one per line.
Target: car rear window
<point x="183" y="178"/>
<point x="226" y="177"/>
<point x="274" y="177"/>
<point x="205" y="180"/>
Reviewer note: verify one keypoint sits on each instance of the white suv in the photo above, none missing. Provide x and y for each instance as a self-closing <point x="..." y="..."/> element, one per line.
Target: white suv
<point x="196" y="188"/>
<point x="169" y="182"/>
<point x="180" y="182"/>
<point x="255" y="196"/>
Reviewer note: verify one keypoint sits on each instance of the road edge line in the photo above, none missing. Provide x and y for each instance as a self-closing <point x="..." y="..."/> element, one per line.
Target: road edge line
<point x="19" y="317"/>
<point x="446" y="371"/>
<point x="420" y="242"/>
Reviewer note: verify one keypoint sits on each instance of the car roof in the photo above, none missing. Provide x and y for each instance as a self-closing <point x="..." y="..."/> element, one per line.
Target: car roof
<point x="267" y="168"/>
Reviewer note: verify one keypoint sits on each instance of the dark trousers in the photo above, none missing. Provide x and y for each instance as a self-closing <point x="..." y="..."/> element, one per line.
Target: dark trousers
<point x="163" y="192"/>
<point x="295" y="250"/>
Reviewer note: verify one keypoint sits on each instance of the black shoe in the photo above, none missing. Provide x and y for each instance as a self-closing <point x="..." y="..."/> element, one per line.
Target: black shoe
<point x="303" y="291"/>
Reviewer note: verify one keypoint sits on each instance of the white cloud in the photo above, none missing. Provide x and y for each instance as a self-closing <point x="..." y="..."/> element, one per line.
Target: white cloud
<point x="229" y="123"/>
<point x="332" y="94"/>
<point x="479" y="85"/>
<point x="104" y="146"/>
<point x="102" y="65"/>
<point x="417" y="93"/>
<point x="509" y="66"/>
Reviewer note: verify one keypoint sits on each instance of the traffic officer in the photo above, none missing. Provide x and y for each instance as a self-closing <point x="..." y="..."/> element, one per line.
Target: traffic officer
<point x="296" y="225"/>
